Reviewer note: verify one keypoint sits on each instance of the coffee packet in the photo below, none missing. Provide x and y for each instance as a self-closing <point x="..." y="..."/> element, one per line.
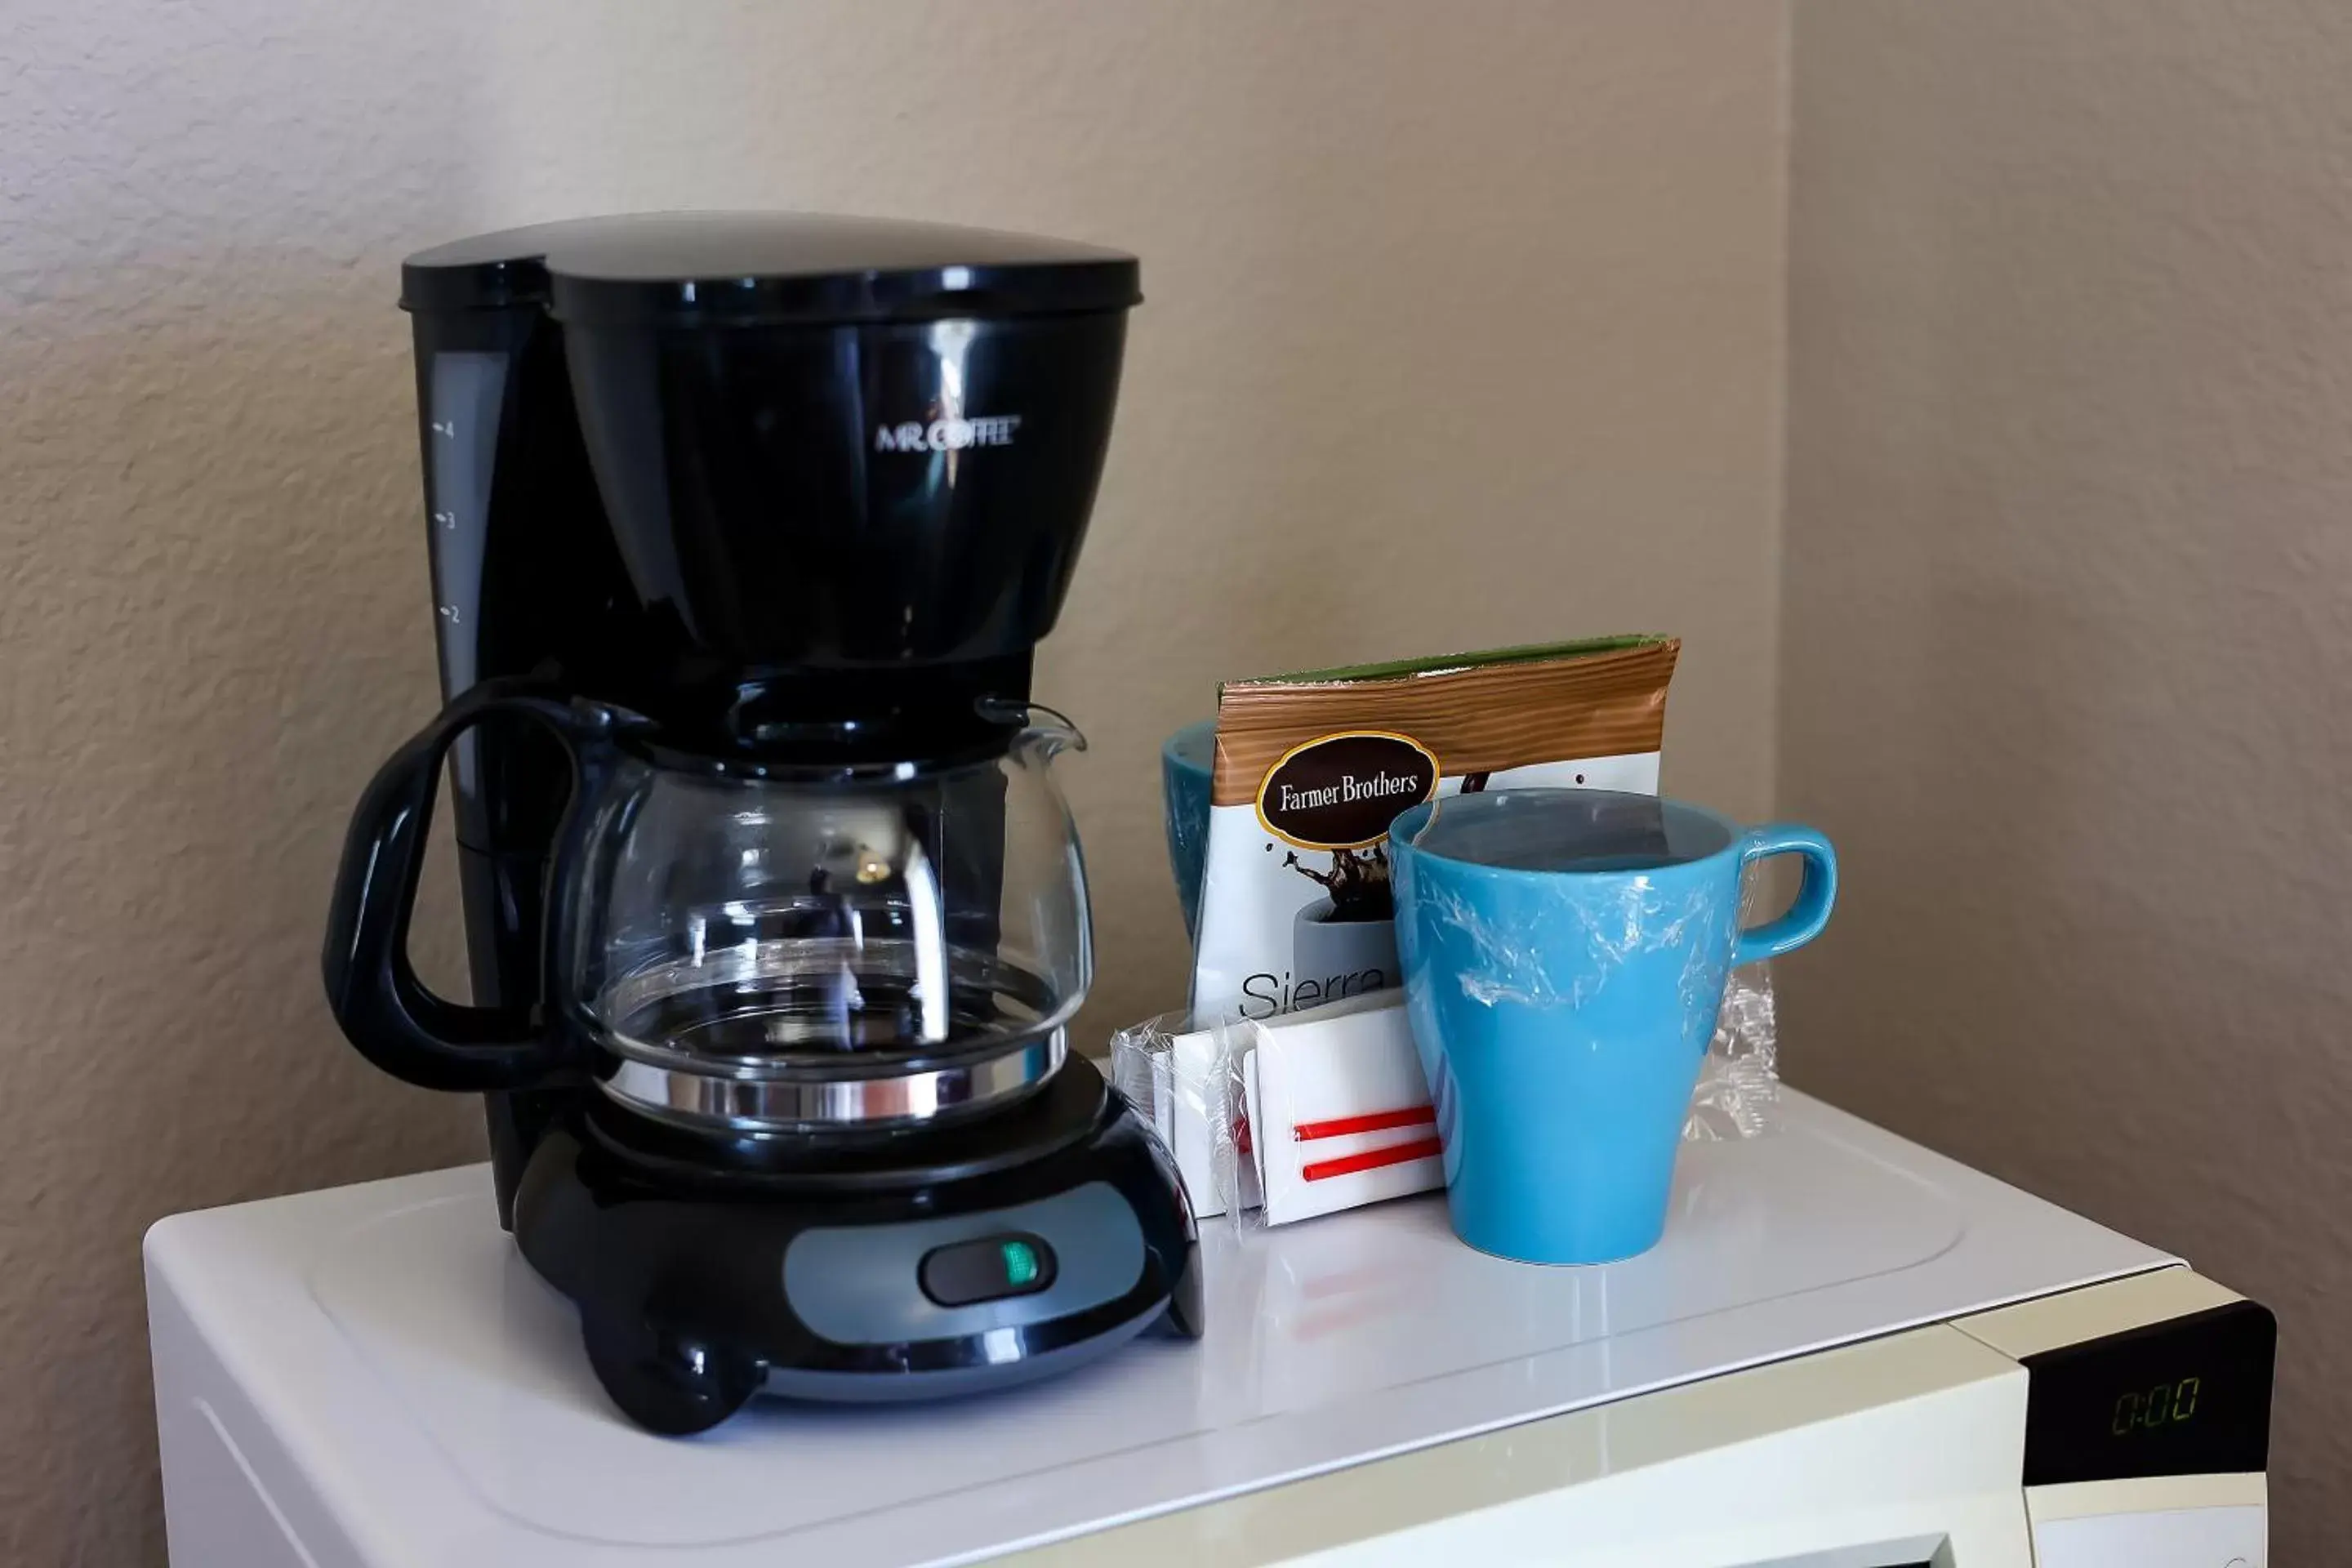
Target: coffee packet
<point x="1311" y="769"/>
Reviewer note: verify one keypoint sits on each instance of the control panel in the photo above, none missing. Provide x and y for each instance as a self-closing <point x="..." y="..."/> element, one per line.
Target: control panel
<point x="958" y="1276"/>
<point x="2147" y="1421"/>
<point x="2169" y="1538"/>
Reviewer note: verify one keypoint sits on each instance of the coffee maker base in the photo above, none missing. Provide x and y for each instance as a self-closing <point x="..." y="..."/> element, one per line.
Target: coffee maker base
<point x="913" y="1272"/>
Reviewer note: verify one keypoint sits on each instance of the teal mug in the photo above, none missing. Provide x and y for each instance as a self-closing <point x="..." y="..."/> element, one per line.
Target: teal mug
<point x="1565" y="954"/>
<point x="1187" y="759"/>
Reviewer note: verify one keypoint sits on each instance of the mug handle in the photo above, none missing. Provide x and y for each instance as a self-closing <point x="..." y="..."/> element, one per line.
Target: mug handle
<point x="389" y="1014"/>
<point x="1816" y="894"/>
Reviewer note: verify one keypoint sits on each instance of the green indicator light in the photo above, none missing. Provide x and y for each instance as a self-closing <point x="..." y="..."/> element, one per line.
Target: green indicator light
<point x="1020" y="1261"/>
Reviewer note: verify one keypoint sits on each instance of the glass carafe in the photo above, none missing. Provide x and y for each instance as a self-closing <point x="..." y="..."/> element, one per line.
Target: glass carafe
<point x="747" y="945"/>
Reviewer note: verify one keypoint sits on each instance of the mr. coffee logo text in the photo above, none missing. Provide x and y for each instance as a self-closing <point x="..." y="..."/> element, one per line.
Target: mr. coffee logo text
<point x="1341" y="792"/>
<point x="946" y="434"/>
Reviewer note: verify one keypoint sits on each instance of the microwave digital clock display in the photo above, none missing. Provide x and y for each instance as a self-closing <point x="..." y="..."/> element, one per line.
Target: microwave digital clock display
<point x="2165" y="1406"/>
<point x="2188" y="1396"/>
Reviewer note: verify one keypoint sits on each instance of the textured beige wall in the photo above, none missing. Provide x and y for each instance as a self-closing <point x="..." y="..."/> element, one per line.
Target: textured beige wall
<point x="1461" y="331"/>
<point x="2068" y="626"/>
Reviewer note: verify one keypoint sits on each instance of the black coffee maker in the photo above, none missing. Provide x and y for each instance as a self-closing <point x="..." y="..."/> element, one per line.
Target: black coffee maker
<point x="743" y="529"/>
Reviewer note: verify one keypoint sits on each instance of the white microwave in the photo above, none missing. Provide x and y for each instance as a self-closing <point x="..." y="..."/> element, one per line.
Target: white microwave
<point x="2117" y="1426"/>
<point x="1848" y="1353"/>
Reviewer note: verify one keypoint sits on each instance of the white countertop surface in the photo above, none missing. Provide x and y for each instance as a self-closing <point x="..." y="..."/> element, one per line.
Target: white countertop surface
<point x="415" y="1377"/>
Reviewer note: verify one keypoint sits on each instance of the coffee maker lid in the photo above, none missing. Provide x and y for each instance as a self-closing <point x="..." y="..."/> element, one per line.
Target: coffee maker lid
<point x="766" y="269"/>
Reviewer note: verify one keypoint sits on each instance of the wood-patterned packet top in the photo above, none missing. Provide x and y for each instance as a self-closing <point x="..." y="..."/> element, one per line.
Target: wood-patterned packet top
<point x="1311" y="769"/>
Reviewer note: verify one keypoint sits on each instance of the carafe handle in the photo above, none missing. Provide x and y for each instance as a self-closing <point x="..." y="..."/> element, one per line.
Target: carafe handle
<point x="390" y="1015"/>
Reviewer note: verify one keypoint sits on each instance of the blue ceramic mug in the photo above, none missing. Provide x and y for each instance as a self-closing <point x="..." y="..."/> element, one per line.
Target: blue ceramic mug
<point x="1186" y="761"/>
<point x="1564" y="954"/>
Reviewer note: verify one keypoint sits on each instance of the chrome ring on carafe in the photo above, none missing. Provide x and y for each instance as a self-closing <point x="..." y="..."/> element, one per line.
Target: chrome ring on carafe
<point x="779" y="1037"/>
<point x="770" y="1105"/>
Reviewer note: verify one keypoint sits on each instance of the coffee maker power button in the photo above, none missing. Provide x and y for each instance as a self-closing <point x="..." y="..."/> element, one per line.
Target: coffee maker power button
<point x="986" y="1269"/>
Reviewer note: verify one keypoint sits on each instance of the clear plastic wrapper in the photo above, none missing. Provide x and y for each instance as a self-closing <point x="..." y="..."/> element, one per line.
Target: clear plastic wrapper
<point x="1184" y="1080"/>
<point x="1739" y="1093"/>
<point x="1138" y="1066"/>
